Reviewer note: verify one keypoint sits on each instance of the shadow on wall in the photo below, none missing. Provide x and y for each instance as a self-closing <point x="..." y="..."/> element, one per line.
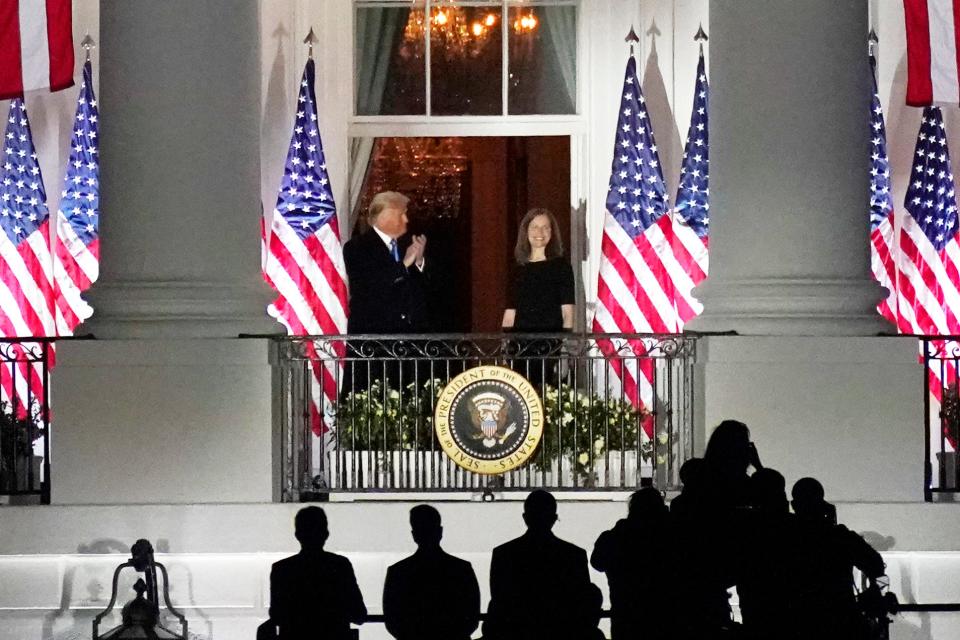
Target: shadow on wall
<point x="879" y="541"/>
<point x="902" y="122"/>
<point x="66" y="623"/>
<point x="903" y="630"/>
<point x="275" y="120"/>
<point x="69" y="622"/>
<point x="662" y="118"/>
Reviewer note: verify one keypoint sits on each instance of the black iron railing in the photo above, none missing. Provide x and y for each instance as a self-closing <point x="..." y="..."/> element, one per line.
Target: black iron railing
<point x="25" y="418"/>
<point x="618" y="411"/>
<point x="941" y="355"/>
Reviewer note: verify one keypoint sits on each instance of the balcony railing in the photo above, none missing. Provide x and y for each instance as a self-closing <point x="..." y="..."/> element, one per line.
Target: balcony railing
<point x="941" y="356"/>
<point x="24" y="419"/>
<point x="373" y="429"/>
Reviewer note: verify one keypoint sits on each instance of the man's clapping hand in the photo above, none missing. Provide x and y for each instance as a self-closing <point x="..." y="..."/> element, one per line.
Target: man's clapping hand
<point x="414" y="254"/>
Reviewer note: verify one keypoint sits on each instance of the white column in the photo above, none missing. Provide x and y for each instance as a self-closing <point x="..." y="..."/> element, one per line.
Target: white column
<point x="180" y="135"/>
<point x="789" y="103"/>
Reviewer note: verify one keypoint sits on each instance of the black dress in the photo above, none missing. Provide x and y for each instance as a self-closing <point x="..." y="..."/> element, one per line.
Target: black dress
<point x="539" y="289"/>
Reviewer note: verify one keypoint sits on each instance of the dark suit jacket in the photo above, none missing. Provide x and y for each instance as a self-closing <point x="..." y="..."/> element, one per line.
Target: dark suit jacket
<point x="431" y="596"/>
<point x="539" y="590"/>
<point x="315" y="595"/>
<point x="385" y="296"/>
<point x="640" y="601"/>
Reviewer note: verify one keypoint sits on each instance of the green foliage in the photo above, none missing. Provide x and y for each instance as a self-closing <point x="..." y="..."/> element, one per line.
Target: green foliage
<point x="578" y="426"/>
<point x="583" y="427"/>
<point x="384" y="419"/>
<point x="16" y="443"/>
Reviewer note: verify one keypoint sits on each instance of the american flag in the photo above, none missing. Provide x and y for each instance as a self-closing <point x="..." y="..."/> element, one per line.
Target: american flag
<point x="303" y="256"/>
<point x="929" y="278"/>
<point x="933" y="40"/>
<point x="36" y="46"/>
<point x="77" y="249"/>
<point x="883" y="248"/>
<point x="636" y="290"/>
<point x="929" y="265"/>
<point x="26" y="284"/>
<point x="692" y="209"/>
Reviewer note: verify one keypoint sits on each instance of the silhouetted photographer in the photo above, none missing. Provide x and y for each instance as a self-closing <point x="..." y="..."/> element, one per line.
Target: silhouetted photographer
<point x="708" y="533"/>
<point x="827" y="552"/>
<point x="768" y="565"/>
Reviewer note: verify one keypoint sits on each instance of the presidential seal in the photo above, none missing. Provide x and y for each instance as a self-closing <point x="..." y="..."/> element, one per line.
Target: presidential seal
<point x="489" y="419"/>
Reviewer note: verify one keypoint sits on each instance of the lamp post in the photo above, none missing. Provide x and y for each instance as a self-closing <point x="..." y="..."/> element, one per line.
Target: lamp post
<point x="141" y="616"/>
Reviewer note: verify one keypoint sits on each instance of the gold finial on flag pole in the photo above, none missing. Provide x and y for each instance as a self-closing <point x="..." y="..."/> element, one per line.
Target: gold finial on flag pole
<point x="87" y="43"/>
<point x="310" y="40"/>
<point x="632" y="38"/>
<point x="701" y="37"/>
<point x="872" y="40"/>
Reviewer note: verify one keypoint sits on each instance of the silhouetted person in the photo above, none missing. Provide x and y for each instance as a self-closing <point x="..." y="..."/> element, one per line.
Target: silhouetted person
<point x="728" y="456"/>
<point x="768" y="563"/>
<point x="539" y="585"/>
<point x="708" y="533"/>
<point x="691" y="479"/>
<point x="593" y="613"/>
<point x="826" y="555"/>
<point x="431" y="595"/>
<point x="314" y="594"/>
<point x="640" y="606"/>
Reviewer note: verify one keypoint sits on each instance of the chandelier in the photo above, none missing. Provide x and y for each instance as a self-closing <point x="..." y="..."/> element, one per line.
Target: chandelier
<point x="432" y="171"/>
<point x="461" y="31"/>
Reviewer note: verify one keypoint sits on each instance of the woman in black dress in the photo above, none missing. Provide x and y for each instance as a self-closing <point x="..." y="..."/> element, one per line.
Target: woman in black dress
<point x="541" y="296"/>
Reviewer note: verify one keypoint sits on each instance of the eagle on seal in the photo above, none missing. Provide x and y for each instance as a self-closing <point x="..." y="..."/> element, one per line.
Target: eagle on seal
<point x="489" y="414"/>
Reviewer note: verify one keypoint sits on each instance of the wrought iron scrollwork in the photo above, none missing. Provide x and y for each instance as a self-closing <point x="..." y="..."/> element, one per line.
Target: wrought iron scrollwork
<point x="379" y="394"/>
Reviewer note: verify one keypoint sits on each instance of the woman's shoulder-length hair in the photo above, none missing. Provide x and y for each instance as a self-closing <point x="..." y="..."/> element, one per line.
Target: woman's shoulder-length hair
<point x="554" y="249"/>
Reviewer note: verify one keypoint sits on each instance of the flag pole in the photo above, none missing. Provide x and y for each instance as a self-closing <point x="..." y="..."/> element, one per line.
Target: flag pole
<point x="87" y="43"/>
<point x="872" y="41"/>
<point x="632" y="38"/>
<point x="310" y="40"/>
<point x="701" y="37"/>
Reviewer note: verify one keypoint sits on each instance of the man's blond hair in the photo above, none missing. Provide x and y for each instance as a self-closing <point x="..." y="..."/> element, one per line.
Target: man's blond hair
<point x="383" y="200"/>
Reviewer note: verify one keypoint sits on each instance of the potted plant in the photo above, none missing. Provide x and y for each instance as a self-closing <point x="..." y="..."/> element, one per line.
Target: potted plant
<point x="19" y="430"/>
<point x="584" y="435"/>
<point x="950" y="421"/>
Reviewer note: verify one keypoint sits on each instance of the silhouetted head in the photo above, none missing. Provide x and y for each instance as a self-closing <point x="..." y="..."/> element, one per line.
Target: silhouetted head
<point x="647" y="504"/>
<point x="425" y="525"/>
<point x="728" y="450"/>
<point x="690" y="472"/>
<point x="768" y="491"/>
<point x="808" y="497"/>
<point x="310" y="527"/>
<point x="540" y="510"/>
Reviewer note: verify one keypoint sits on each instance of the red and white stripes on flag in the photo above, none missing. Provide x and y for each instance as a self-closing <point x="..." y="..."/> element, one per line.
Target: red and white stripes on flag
<point x="77" y="250"/>
<point x="303" y="257"/>
<point x="883" y="244"/>
<point x="26" y="280"/>
<point x="928" y="283"/>
<point x="36" y="46"/>
<point x="933" y="54"/>
<point x="640" y="279"/>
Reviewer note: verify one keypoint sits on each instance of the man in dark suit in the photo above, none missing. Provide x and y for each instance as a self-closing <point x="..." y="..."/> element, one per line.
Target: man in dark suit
<point x="385" y="269"/>
<point x="539" y="585"/>
<point x="387" y="277"/>
<point x="640" y="606"/>
<point x="314" y="594"/>
<point x="431" y="595"/>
